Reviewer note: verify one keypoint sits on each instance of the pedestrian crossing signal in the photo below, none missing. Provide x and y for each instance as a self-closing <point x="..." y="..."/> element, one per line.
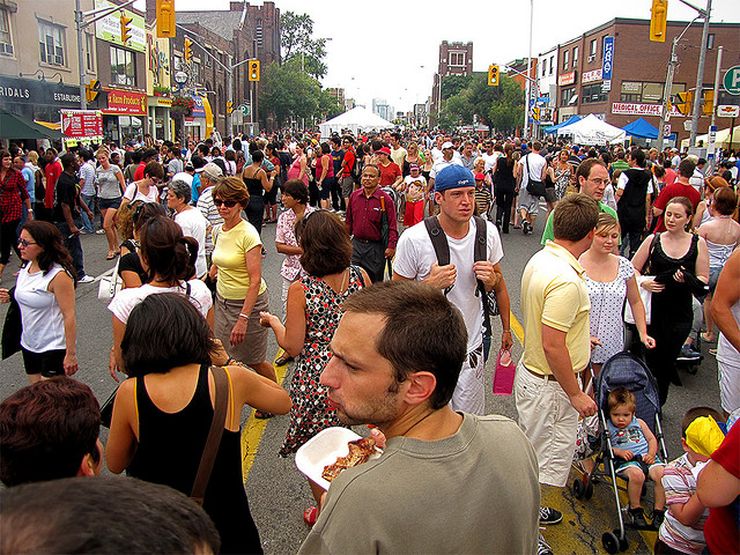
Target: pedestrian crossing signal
<point x="493" y="75"/>
<point x="125" y="28"/>
<point x="658" y="20"/>
<point x="229" y="106"/>
<point x="684" y="101"/>
<point x="254" y="70"/>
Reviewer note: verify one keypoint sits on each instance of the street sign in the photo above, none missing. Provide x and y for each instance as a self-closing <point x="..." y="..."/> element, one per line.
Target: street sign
<point x="181" y="77"/>
<point x="666" y="129"/>
<point x="687" y="125"/>
<point x="244" y="109"/>
<point x="712" y="134"/>
<point x="731" y="81"/>
<point x="728" y="111"/>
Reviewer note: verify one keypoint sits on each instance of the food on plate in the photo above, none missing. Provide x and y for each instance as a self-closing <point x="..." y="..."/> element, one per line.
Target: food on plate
<point x="359" y="452"/>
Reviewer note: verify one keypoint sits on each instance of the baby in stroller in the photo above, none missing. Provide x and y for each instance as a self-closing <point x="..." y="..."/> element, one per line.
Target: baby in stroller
<point x="635" y="449"/>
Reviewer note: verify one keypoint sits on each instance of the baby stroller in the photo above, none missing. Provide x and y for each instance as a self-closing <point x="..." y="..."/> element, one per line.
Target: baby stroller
<point x="621" y="370"/>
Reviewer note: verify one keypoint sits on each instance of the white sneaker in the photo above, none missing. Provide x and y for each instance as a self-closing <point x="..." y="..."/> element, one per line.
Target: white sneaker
<point x="100" y="232"/>
<point x="86" y="279"/>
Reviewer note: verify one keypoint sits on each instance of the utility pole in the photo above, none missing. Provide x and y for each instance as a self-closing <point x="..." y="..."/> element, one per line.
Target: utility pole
<point x="711" y="157"/>
<point x="528" y="96"/>
<point x="700" y="74"/>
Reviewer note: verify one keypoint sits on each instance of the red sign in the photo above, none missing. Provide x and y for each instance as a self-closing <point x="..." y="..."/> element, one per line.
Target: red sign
<point x="81" y="124"/>
<point x="567" y="78"/>
<point x="126" y="102"/>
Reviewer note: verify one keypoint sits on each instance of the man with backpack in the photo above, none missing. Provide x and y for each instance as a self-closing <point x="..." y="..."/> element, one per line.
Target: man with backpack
<point x="460" y="254"/>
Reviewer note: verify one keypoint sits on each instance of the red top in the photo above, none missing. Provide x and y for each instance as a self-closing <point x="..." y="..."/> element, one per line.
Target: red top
<point x="349" y="162"/>
<point x="12" y="194"/>
<point x="721" y="530"/>
<point x="52" y="171"/>
<point x="320" y="167"/>
<point x="670" y="176"/>
<point x="139" y="171"/>
<point x="363" y="216"/>
<point x="678" y="189"/>
<point x="389" y="174"/>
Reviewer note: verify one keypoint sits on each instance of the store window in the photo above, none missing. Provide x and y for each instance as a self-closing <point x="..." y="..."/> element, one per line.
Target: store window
<point x="122" y="67"/>
<point x="646" y="93"/>
<point x="567" y="96"/>
<point x="51" y="43"/>
<point x="457" y="59"/>
<point x="6" y="38"/>
<point x="195" y="70"/>
<point x="566" y="59"/>
<point x="652" y="93"/>
<point x="544" y="67"/>
<point x="593" y="93"/>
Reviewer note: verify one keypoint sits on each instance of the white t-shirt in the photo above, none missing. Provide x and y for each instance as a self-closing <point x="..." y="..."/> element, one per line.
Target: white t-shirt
<point x="194" y="225"/>
<point x="623" y="179"/>
<point x="490" y="160"/>
<point x="536" y="164"/>
<point x="415" y="257"/>
<point x="441" y="164"/>
<point x="133" y="194"/>
<point x="183" y="176"/>
<point x="675" y="161"/>
<point x="43" y="323"/>
<point x="697" y="180"/>
<point x="126" y="299"/>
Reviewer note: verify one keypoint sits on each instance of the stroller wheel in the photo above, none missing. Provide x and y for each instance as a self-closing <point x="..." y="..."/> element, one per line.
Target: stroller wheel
<point x="623" y="544"/>
<point x="610" y="542"/>
<point x="578" y="488"/>
<point x="589" y="488"/>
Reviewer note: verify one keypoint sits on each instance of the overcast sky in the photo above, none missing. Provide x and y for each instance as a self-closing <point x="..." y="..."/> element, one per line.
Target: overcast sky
<point x="388" y="49"/>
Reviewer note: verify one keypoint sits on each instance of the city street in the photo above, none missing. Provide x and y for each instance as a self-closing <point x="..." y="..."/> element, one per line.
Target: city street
<point x="278" y="494"/>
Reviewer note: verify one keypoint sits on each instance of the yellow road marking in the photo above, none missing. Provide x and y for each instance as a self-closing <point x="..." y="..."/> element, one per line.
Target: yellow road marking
<point x="516" y="327"/>
<point x="254" y="428"/>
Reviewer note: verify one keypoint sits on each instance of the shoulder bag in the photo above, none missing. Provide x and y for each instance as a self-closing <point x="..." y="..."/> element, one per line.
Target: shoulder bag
<point x="534" y="188"/>
<point x="645" y="295"/>
<point x="110" y="285"/>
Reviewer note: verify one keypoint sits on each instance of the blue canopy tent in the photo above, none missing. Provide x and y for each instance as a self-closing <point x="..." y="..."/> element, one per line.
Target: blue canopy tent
<point x="553" y="128"/>
<point x="641" y="129"/>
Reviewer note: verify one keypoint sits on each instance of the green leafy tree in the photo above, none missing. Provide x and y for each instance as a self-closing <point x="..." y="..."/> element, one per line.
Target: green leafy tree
<point x="297" y="42"/>
<point x="454" y="84"/>
<point x="328" y="105"/>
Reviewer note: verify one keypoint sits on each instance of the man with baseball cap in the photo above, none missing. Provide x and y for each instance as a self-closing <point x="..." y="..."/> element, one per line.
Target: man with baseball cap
<point x="416" y="259"/>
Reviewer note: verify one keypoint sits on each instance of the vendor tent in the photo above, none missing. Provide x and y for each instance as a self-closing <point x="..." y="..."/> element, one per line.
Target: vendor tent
<point x="641" y="129"/>
<point x="17" y="127"/>
<point x="357" y="119"/>
<point x="722" y="139"/>
<point x="592" y="131"/>
<point x="553" y="128"/>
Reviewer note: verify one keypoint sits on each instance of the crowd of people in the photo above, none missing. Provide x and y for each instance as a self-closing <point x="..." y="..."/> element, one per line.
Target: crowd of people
<point x="393" y="247"/>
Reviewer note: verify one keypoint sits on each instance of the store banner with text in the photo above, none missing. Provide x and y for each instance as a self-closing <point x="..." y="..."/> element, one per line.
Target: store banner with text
<point x="82" y="124"/>
<point x="126" y="103"/>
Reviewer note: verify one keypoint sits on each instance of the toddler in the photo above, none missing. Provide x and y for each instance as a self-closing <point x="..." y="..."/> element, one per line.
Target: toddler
<point x="635" y="449"/>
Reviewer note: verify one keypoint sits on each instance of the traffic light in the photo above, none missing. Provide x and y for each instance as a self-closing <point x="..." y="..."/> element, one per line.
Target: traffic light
<point x="188" y="47"/>
<point x="685" y="99"/>
<point x="658" y="20"/>
<point x="229" y="106"/>
<point x="125" y="28"/>
<point x="254" y="70"/>
<point x="707" y="103"/>
<point x="493" y="75"/>
<point x="536" y="113"/>
<point x="166" y="19"/>
<point x="92" y="90"/>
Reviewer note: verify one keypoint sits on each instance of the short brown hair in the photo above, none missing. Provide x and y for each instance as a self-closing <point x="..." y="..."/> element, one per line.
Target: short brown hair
<point x="154" y="169"/>
<point x="232" y="188"/>
<point x="423" y="332"/>
<point x="606" y="222"/>
<point x="725" y="201"/>
<point x="585" y="167"/>
<point x="697" y="412"/>
<point x="575" y="216"/>
<point x="621" y="396"/>
<point x="326" y="245"/>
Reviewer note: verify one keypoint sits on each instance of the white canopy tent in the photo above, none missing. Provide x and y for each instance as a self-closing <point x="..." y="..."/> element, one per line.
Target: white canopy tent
<point x="357" y="119"/>
<point x="722" y="139"/>
<point x="593" y="131"/>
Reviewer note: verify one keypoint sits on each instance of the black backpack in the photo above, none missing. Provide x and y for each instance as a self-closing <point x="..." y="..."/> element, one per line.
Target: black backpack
<point x="480" y="252"/>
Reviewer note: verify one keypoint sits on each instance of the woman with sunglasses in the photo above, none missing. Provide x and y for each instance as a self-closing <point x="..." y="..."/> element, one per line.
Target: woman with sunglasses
<point x="241" y="293"/>
<point x="110" y="183"/>
<point x="45" y="292"/>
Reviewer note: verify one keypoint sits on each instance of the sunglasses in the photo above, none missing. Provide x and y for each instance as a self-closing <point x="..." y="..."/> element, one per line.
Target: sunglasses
<point x="24" y="243"/>
<point x="227" y="203"/>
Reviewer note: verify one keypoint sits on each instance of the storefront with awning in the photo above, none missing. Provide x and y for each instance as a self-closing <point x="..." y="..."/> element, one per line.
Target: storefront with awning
<point x="200" y="124"/>
<point x="37" y="100"/>
<point x="124" y="114"/>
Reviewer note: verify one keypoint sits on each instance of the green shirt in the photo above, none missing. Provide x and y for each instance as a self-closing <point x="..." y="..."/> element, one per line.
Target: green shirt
<point x="549" y="235"/>
<point x="620" y="165"/>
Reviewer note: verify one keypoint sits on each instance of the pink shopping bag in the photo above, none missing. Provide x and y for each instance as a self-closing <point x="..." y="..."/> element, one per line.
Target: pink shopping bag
<point x="503" y="379"/>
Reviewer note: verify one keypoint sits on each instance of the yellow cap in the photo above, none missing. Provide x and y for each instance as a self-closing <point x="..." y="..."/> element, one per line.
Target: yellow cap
<point x="703" y="436"/>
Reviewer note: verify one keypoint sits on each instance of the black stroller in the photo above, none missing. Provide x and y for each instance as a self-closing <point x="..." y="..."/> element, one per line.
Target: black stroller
<point x="628" y="371"/>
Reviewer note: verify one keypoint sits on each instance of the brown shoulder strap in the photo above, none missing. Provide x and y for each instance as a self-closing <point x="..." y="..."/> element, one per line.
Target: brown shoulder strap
<point x="214" y="435"/>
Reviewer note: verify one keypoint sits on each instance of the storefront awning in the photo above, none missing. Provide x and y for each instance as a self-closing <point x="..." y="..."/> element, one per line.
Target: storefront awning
<point x="17" y="127"/>
<point x="209" y="116"/>
<point x="49" y="124"/>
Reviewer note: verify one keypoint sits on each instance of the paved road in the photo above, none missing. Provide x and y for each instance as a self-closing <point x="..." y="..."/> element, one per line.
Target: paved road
<point x="278" y="494"/>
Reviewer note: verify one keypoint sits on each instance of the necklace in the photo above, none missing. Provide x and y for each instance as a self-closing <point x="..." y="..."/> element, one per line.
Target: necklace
<point x="415" y="424"/>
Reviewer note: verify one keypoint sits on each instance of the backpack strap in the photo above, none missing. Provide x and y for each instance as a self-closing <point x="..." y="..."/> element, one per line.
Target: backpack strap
<point x="439" y="240"/>
<point x="480" y="252"/>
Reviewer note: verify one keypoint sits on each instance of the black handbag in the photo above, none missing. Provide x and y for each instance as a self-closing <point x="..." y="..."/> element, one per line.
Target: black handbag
<point x="534" y="188"/>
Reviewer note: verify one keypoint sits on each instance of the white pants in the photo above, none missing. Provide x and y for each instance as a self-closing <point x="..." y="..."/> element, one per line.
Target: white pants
<point x="549" y="421"/>
<point x="729" y="385"/>
<point x="470" y="392"/>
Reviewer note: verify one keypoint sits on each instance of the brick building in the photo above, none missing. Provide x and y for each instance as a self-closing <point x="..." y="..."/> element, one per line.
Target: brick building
<point x="455" y="58"/>
<point x="639" y="71"/>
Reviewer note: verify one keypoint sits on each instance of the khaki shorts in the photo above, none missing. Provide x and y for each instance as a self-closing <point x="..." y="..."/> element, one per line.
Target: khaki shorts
<point x="253" y="349"/>
<point x="549" y="421"/>
<point x="348" y="186"/>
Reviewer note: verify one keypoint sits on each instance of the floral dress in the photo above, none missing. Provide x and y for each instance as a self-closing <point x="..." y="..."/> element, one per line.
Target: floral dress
<point x="562" y="181"/>
<point x="309" y="413"/>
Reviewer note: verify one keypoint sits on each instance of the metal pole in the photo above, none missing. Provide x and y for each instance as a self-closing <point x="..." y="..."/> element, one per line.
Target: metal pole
<point x="79" y="16"/>
<point x="700" y="75"/>
<point x="712" y="138"/>
<point x="667" y="93"/>
<point x="732" y="133"/>
<point x="230" y="97"/>
<point x="525" y="132"/>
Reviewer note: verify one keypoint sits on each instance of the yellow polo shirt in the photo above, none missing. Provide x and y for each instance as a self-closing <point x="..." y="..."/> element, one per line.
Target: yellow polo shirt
<point x="554" y="293"/>
<point x="229" y="256"/>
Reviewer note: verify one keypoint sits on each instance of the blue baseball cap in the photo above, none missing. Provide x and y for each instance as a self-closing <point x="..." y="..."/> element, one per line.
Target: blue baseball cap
<point x="453" y="177"/>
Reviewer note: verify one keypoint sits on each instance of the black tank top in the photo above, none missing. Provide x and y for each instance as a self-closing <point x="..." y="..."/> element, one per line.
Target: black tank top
<point x="254" y="185"/>
<point x="674" y="303"/>
<point x="169" y="452"/>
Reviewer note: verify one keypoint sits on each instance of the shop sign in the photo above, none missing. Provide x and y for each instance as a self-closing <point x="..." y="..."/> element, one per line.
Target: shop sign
<point x="31" y="91"/>
<point x="160" y="101"/>
<point x="199" y="110"/>
<point x="591" y="76"/>
<point x="632" y="109"/>
<point x="108" y="28"/>
<point x="567" y="78"/>
<point x="126" y="102"/>
<point x="79" y="124"/>
<point x="728" y="111"/>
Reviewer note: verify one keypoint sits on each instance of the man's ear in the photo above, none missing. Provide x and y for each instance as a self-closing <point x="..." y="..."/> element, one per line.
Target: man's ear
<point x="421" y="385"/>
<point x="88" y="467"/>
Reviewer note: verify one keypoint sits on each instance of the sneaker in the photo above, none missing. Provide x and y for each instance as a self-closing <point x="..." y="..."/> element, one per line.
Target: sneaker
<point x="637" y="519"/>
<point x="100" y="232"/>
<point x="543" y="548"/>
<point x="688" y="354"/>
<point x="658" y="517"/>
<point x="548" y="515"/>
<point x="86" y="279"/>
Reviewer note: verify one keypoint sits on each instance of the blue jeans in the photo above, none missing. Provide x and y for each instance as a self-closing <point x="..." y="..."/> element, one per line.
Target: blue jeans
<point x="88" y="225"/>
<point x="74" y="246"/>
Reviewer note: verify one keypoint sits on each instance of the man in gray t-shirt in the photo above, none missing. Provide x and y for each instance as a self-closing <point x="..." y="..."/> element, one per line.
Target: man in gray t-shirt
<point x="447" y="482"/>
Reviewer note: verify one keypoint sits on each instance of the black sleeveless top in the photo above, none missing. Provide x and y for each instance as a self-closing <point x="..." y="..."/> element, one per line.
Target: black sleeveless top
<point x="169" y="452"/>
<point x="673" y="304"/>
<point x="254" y="185"/>
<point x="631" y="206"/>
<point x="503" y="177"/>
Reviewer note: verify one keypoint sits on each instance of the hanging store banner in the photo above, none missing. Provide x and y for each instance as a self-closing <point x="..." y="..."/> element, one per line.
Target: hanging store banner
<point x="126" y="103"/>
<point x="82" y="124"/>
<point x="607" y="64"/>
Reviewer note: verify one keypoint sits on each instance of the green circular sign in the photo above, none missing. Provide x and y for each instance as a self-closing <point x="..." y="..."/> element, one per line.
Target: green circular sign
<point x="731" y="81"/>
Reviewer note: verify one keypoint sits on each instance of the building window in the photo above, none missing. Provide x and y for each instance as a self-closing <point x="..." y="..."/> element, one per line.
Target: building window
<point x="209" y="63"/>
<point x="575" y="56"/>
<point x="593" y="93"/>
<point x="566" y="58"/>
<point x="652" y="93"/>
<point x="90" y="52"/>
<point x="631" y="91"/>
<point x="567" y="96"/>
<point x="457" y="59"/>
<point x="544" y="67"/>
<point x="51" y="43"/>
<point x="592" y="51"/>
<point x="6" y="38"/>
<point x="552" y="64"/>
<point x="710" y="41"/>
<point x="195" y="70"/>
<point x="122" y="68"/>
<point x="646" y="93"/>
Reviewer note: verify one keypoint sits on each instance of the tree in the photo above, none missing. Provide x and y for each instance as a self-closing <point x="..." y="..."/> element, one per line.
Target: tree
<point x="297" y="43"/>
